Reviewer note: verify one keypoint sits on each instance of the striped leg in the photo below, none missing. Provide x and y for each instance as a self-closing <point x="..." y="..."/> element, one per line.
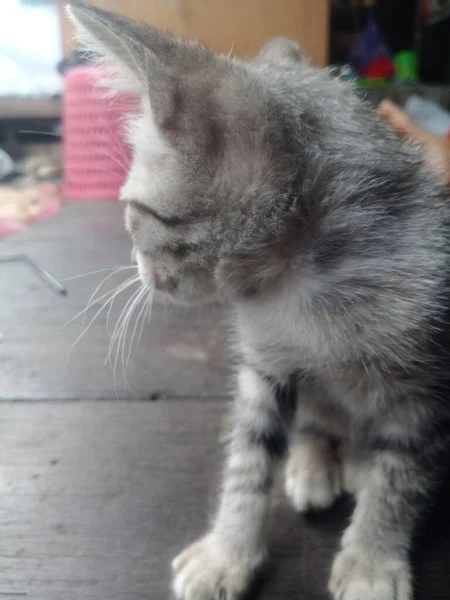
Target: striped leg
<point x="222" y="563"/>
<point x="374" y="559"/>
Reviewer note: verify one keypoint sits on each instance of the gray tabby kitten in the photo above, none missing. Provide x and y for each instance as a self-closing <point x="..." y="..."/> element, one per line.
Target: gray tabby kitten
<point x="270" y="183"/>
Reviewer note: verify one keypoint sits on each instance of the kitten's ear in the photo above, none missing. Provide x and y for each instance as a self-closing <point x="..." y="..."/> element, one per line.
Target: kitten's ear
<point x="281" y="51"/>
<point x="137" y="53"/>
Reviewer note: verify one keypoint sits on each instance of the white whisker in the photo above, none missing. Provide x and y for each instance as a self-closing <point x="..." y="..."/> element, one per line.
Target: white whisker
<point x="119" y="147"/>
<point x="92" y="300"/>
<point x="136" y="323"/>
<point x="108" y="317"/>
<point x="147" y="313"/>
<point x="116" y="337"/>
<point x="118" y="291"/>
<point x="117" y="327"/>
<point x="112" y="294"/>
<point x="117" y="269"/>
<point x="100" y="298"/>
<point x="121" y="166"/>
<point x="118" y="333"/>
<point x="85" y="329"/>
<point x="106" y="171"/>
<point x="125" y="332"/>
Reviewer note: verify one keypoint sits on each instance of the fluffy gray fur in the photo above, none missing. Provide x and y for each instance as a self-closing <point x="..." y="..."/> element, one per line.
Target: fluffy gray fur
<point x="270" y="183"/>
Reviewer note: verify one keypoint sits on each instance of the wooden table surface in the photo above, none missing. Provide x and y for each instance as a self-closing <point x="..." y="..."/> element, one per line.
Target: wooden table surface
<point x="102" y="485"/>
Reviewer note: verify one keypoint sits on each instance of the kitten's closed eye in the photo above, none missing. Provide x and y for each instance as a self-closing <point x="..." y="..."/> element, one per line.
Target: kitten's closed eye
<point x="143" y="209"/>
<point x="181" y="249"/>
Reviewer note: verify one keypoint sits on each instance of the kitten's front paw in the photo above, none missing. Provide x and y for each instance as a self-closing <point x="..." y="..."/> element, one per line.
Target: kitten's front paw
<point x="204" y="571"/>
<point x="354" y="577"/>
<point x="313" y="476"/>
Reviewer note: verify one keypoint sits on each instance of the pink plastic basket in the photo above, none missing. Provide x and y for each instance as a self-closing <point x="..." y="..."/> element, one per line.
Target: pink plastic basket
<point x="96" y="157"/>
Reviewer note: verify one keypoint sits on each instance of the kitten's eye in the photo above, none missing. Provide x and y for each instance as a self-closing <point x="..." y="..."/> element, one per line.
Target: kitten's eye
<point x="143" y="209"/>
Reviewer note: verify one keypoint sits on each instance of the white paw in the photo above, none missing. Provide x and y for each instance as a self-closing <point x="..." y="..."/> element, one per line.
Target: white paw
<point x="205" y="572"/>
<point x="313" y="476"/>
<point x="354" y="577"/>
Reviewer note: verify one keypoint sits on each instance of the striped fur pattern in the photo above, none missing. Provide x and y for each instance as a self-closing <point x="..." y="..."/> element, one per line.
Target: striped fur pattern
<point x="270" y="184"/>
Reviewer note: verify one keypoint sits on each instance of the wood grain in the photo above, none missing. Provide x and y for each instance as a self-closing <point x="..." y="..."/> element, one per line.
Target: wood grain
<point x="96" y="498"/>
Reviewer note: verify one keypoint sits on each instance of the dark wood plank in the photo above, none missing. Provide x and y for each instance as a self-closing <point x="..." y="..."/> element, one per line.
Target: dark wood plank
<point x="90" y="494"/>
<point x="98" y="497"/>
<point x="182" y="353"/>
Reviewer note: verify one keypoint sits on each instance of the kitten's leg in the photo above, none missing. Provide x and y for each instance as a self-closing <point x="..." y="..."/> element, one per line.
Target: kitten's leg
<point x="313" y="477"/>
<point x="221" y="564"/>
<point x="373" y="563"/>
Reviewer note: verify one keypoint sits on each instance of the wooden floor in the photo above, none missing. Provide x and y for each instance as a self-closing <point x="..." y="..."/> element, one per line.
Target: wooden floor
<point x="102" y="484"/>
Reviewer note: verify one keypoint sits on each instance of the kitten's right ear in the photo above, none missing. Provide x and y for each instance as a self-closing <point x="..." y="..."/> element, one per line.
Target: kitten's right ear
<point x="137" y="54"/>
<point x="282" y="52"/>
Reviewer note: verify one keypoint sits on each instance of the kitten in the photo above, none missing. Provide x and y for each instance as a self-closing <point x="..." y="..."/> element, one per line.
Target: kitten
<point x="270" y="183"/>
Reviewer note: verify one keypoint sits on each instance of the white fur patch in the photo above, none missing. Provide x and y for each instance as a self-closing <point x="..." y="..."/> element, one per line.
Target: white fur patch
<point x="252" y="388"/>
<point x="152" y="160"/>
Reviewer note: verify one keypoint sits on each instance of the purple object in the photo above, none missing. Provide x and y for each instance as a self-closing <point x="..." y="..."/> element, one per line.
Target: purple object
<point x="370" y="45"/>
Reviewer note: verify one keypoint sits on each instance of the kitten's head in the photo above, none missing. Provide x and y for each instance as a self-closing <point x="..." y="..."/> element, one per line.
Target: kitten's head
<point x="212" y="157"/>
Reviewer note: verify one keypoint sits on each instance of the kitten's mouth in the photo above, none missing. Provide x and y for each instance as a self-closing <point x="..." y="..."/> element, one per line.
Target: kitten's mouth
<point x="156" y="278"/>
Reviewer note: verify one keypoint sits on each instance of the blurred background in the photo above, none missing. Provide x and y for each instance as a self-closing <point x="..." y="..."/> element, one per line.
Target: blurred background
<point x="392" y="48"/>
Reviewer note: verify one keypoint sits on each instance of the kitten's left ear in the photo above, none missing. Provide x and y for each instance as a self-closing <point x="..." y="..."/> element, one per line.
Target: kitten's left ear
<point x="137" y="53"/>
<point x="282" y="52"/>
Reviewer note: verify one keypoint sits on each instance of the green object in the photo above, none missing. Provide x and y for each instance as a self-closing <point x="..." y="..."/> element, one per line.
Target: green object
<point x="371" y="83"/>
<point x="406" y="65"/>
